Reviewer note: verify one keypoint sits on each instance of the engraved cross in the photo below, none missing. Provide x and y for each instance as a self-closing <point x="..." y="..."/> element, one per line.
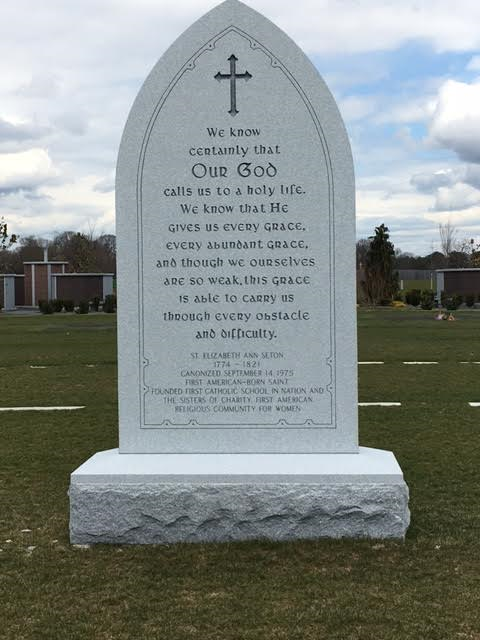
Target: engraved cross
<point x="232" y="76"/>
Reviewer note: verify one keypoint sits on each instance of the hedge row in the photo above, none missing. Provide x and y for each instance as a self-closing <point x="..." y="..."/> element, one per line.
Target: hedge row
<point x="426" y="299"/>
<point x="85" y="306"/>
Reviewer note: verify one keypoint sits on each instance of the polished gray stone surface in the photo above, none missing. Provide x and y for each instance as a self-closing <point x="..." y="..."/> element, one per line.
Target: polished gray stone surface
<point x="236" y="250"/>
<point x="119" y="498"/>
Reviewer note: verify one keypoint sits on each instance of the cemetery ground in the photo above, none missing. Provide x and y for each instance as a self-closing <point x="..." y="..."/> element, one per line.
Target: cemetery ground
<point x="425" y="588"/>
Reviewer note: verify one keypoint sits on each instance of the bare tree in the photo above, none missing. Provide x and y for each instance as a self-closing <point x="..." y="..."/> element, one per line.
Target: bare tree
<point x="448" y="234"/>
<point x="363" y="245"/>
<point x="84" y="252"/>
<point x="470" y="248"/>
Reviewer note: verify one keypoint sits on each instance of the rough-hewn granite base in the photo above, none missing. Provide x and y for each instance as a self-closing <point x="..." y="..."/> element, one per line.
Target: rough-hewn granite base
<point x="156" y="498"/>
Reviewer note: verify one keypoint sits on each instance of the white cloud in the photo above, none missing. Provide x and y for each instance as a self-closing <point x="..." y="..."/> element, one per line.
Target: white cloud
<point x="413" y="207"/>
<point x="75" y="123"/>
<point x="357" y="107"/>
<point x="372" y="25"/>
<point x="74" y="205"/>
<point x="431" y="182"/>
<point x="84" y="204"/>
<point x="362" y="71"/>
<point x="26" y="170"/>
<point x="456" y="120"/>
<point x="411" y="232"/>
<point x="20" y="131"/>
<point x="454" y="189"/>
<point x="105" y="185"/>
<point x="41" y="85"/>
<point x="459" y="196"/>
<point x="418" y="109"/>
<point x="103" y="32"/>
<point x="379" y="204"/>
<point x="472" y="175"/>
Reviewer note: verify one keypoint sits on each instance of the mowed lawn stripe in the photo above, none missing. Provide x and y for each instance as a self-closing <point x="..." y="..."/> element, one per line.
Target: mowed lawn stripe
<point x="379" y="404"/>
<point x="41" y="408"/>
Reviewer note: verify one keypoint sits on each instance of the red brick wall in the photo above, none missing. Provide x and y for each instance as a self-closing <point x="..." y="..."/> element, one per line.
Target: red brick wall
<point x="41" y="282"/>
<point x="27" y="269"/>
<point x="79" y="288"/>
<point x="462" y="282"/>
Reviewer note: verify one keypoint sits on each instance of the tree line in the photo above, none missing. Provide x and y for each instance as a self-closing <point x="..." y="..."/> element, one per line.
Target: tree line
<point x="84" y="253"/>
<point x="378" y="262"/>
<point x="454" y="253"/>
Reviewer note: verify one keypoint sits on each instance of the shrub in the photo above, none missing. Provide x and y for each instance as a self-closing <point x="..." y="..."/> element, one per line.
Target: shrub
<point x="95" y="303"/>
<point x="83" y="306"/>
<point x="470" y="299"/>
<point x="427" y="299"/>
<point x="413" y="297"/>
<point x="110" y="304"/>
<point x="453" y="302"/>
<point x="57" y="305"/>
<point x="45" y="306"/>
<point x="69" y="305"/>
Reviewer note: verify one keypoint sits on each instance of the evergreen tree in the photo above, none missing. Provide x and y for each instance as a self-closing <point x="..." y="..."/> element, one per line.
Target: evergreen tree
<point x="381" y="280"/>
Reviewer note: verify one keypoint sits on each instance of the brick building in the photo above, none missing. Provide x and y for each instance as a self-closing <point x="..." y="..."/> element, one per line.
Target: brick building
<point x="49" y="280"/>
<point x="457" y="282"/>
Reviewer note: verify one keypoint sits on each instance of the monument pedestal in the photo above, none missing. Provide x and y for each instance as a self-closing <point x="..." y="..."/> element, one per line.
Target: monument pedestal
<point x="167" y="498"/>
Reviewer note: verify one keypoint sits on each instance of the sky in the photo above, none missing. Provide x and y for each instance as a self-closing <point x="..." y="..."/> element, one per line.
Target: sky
<point x="405" y="74"/>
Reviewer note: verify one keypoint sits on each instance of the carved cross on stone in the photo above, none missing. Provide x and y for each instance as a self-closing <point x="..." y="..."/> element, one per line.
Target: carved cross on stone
<point x="233" y="76"/>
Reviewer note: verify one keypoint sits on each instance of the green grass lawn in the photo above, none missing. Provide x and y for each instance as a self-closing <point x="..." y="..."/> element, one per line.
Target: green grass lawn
<point x="425" y="588"/>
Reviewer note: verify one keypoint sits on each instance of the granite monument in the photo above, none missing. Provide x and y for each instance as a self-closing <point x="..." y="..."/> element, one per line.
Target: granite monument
<point x="236" y="308"/>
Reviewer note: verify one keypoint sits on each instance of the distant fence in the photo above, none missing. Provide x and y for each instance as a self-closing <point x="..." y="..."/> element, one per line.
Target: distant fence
<point x="416" y="279"/>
